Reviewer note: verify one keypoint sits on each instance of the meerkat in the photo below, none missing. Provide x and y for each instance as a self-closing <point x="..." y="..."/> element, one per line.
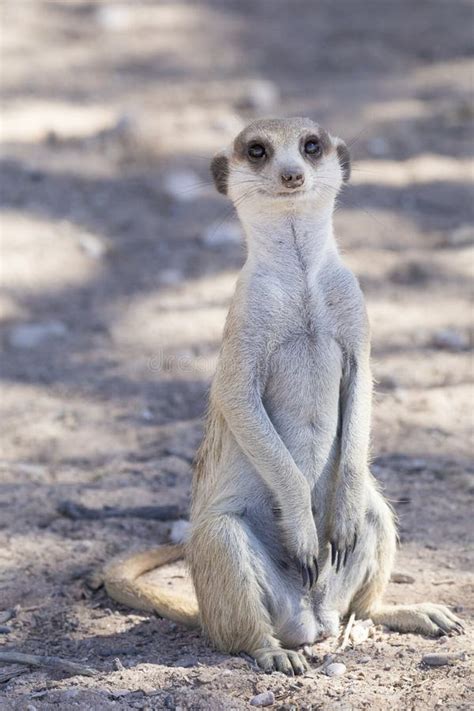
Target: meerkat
<point x="289" y="530"/>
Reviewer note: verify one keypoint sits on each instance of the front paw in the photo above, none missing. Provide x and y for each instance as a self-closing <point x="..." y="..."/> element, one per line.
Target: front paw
<point x="343" y="536"/>
<point x="301" y="542"/>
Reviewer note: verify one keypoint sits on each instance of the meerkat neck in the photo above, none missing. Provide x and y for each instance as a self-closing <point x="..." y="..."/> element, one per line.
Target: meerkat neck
<point x="303" y="239"/>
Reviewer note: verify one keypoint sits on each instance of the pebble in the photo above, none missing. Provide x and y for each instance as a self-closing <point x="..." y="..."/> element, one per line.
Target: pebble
<point x="441" y="660"/>
<point x="219" y="234"/>
<point x="182" y="185"/>
<point x="118" y="693"/>
<point x="114" y="18"/>
<point x="266" y="698"/>
<point x="30" y="335"/>
<point x="461" y="236"/>
<point x="70" y="694"/>
<point x="260" y="95"/>
<point x="360" y="631"/>
<point x="402" y="579"/>
<point x="92" y="245"/>
<point x="365" y="660"/>
<point x="335" y="669"/>
<point x="451" y="340"/>
<point x="187" y="662"/>
<point x="179" y="531"/>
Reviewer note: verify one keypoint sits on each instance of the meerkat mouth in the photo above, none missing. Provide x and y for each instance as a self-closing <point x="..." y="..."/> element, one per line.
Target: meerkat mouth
<point x="286" y="193"/>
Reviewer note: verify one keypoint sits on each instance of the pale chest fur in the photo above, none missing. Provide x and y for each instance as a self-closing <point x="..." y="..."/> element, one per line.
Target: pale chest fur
<point x="302" y="374"/>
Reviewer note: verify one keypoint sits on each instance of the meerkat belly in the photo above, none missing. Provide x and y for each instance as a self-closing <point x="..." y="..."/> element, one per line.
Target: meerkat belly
<point x="302" y="398"/>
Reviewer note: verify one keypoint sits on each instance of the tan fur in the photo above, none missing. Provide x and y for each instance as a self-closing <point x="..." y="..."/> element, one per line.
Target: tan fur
<point x="123" y="584"/>
<point x="282" y="485"/>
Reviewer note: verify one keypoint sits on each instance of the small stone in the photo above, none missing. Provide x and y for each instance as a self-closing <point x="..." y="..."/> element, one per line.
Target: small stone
<point x="71" y="694"/>
<point x="365" y="660"/>
<point x="441" y="660"/>
<point x="147" y="415"/>
<point x="118" y="693"/>
<point x="30" y="335"/>
<point x="260" y="95"/>
<point x="94" y="579"/>
<point x="179" y="531"/>
<point x="187" y="662"/>
<point x="92" y="245"/>
<point x="451" y="340"/>
<point x="335" y="669"/>
<point x="443" y="639"/>
<point x="267" y="698"/>
<point x="118" y="666"/>
<point x="114" y="18"/>
<point x="222" y="233"/>
<point x="360" y="631"/>
<point x="402" y="579"/>
<point x="461" y="236"/>
<point x="183" y="185"/>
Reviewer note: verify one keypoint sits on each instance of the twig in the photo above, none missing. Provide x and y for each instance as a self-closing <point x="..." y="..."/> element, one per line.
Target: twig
<point x="7" y="615"/>
<point x="10" y="674"/>
<point x="35" y="660"/>
<point x="347" y="631"/>
<point x="446" y="581"/>
<point x="158" y="513"/>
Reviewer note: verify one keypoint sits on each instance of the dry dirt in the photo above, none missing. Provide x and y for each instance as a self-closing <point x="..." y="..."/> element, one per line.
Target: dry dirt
<point x="103" y="399"/>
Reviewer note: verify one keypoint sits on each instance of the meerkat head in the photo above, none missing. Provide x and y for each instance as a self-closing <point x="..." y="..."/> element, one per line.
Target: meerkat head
<point x="282" y="163"/>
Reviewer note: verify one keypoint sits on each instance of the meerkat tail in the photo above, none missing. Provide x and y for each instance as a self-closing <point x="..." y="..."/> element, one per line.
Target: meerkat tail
<point x="123" y="584"/>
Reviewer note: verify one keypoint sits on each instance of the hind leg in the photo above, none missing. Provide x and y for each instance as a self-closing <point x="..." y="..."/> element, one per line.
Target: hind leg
<point x="380" y="540"/>
<point x="239" y="590"/>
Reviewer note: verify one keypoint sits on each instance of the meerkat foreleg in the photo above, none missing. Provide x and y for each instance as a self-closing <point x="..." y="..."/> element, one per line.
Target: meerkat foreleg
<point x="349" y="505"/>
<point x="253" y="430"/>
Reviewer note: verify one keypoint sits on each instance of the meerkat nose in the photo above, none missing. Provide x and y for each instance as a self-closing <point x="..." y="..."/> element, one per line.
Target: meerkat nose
<point x="292" y="178"/>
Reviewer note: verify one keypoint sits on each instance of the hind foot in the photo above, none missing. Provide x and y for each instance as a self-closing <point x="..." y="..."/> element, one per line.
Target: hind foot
<point x="282" y="660"/>
<point x="423" y="618"/>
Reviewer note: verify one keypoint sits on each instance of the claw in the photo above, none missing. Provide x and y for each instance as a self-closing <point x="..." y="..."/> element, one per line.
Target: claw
<point x="346" y="555"/>
<point x="316" y="570"/>
<point x="333" y="553"/>
<point x="311" y="576"/>
<point x="339" y="560"/>
<point x="354" y="543"/>
<point x="304" y="573"/>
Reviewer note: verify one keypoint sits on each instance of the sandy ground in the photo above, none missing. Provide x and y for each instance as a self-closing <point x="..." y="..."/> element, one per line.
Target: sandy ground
<point x="115" y="289"/>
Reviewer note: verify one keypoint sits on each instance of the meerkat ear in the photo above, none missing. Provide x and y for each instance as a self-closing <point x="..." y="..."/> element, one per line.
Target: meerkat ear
<point x="220" y="172"/>
<point x="344" y="159"/>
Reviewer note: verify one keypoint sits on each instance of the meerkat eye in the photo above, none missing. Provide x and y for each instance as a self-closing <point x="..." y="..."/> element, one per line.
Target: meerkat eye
<point x="256" y="151"/>
<point x="313" y="147"/>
